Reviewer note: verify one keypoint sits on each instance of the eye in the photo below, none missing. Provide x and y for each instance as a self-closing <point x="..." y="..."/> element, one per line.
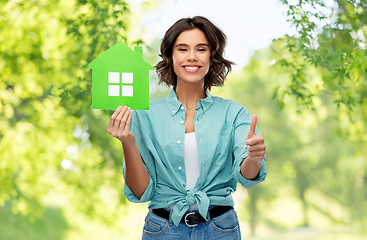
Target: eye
<point x="182" y="49"/>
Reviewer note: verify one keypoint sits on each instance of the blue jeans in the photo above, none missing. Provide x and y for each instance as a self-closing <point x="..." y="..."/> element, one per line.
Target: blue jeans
<point x="225" y="226"/>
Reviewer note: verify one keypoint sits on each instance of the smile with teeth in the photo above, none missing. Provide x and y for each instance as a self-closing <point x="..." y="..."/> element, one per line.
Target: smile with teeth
<point x="191" y="67"/>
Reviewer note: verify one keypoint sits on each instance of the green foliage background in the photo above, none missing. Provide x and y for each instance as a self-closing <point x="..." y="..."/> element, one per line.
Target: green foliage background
<point x="45" y="108"/>
<point x="309" y="91"/>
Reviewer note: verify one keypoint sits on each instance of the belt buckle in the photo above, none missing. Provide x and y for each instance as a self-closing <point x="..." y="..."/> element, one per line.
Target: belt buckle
<point x="186" y="220"/>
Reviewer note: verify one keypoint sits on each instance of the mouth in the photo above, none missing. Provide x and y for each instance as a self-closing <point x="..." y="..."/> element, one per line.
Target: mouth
<point x="191" y="68"/>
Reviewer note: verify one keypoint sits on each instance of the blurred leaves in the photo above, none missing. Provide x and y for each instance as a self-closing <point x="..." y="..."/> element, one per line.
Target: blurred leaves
<point x="318" y="150"/>
<point x="45" y="105"/>
<point x="332" y="36"/>
<point x="324" y="65"/>
<point x="52" y="141"/>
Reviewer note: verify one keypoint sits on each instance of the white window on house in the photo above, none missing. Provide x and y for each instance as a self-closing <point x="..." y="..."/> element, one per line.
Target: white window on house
<point x="127" y="78"/>
<point x="115" y="84"/>
<point x="127" y="91"/>
<point x="114" y="77"/>
<point x="113" y="90"/>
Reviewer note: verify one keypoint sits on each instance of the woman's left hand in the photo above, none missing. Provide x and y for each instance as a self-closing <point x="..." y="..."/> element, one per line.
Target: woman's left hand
<point x="255" y="144"/>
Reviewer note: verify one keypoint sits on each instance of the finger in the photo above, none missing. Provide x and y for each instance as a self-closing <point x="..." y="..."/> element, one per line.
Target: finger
<point x="255" y="140"/>
<point x="255" y="148"/>
<point x="119" y="117"/>
<point x="128" y="121"/>
<point x="251" y="131"/>
<point x="124" y="119"/>
<point x="113" y="117"/>
<point x="256" y="154"/>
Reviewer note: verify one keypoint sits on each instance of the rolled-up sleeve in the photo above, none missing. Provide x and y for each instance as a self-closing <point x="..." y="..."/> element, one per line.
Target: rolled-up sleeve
<point x="146" y="197"/>
<point x="239" y="149"/>
<point x="147" y="160"/>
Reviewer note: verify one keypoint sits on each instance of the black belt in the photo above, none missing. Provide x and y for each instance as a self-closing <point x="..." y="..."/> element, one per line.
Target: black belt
<point x="192" y="219"/>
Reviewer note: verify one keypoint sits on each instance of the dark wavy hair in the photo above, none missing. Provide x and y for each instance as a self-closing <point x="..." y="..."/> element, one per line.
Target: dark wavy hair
<point x="219" y="68"/>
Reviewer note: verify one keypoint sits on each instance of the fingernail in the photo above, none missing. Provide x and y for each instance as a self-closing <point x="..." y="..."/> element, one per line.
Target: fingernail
<point x="119" y="107"/>
<point x="129" y="109"/>
<point x="125" y="107"/>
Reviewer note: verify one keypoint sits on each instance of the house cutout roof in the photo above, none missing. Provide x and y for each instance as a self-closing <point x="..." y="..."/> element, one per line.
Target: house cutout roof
<point x="122" y="56"/>
<point x="120" y="77"/>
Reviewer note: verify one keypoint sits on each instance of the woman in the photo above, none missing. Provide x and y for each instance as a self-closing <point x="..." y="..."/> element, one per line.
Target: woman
<point x="187" y="153"/>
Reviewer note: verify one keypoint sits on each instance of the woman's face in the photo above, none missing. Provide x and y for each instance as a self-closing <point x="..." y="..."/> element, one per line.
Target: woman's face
<point x="191" y="57"/>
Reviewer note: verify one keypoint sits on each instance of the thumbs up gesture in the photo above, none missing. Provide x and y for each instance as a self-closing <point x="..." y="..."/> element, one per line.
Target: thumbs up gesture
<point x="255" y="143"/>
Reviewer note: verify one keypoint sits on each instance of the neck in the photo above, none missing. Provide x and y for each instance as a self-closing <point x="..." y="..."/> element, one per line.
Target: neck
<point x="189" y="94"/>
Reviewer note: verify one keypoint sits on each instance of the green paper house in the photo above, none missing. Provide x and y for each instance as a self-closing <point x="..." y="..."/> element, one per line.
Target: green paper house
<point x="120" y="77"/>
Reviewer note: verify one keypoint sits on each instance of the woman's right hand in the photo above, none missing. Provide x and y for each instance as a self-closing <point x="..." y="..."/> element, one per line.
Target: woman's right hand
<point x="119" y="124"/>
<point x="136" y="176"/>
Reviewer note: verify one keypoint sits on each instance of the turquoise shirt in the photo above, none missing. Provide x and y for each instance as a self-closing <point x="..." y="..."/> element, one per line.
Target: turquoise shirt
<point x="221" y="128"/>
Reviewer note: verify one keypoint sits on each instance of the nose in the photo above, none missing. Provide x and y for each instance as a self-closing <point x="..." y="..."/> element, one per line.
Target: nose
<point x="192" y="56"/>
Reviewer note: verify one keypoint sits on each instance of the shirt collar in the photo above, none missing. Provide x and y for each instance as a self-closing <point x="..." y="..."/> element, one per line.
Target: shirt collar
<point x="174" y="105"/>
<point x="207" y="102"/>
<point x="173" y="102"/>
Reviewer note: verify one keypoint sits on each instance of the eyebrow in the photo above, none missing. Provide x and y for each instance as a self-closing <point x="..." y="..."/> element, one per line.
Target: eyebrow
<point x="185" y="45"/>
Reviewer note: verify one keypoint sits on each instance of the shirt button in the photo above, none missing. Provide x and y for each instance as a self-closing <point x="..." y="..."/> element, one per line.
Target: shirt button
<point x="173" y="111"/>
<point x="180" y="168"/>
<point x="178" y="141"/>
<point x="182" y="122"/>
<point x="203" y="164"/>
<point x="182" y="107"/>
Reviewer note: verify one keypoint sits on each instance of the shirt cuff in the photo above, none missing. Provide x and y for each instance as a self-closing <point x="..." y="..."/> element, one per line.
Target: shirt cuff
<point x="146" y="197"/>
<point x="247" y="183"/>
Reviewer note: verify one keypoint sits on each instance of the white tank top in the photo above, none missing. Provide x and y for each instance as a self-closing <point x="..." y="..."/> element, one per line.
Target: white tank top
<point x="191" y="159"/>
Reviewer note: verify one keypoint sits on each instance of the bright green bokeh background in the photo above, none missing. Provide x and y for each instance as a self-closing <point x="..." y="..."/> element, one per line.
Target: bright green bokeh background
<point x="60" y="172"/>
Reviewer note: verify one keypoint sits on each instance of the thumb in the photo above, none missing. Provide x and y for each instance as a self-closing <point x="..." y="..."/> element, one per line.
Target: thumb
<point x="251" y="131"/>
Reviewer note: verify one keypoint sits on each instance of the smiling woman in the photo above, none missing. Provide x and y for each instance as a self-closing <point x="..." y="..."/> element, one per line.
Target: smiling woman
<point x="191" y="63"/>
<point x="188" y="151"/>
<point x="209" y="35"/>
<point x="191" y="57"/>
